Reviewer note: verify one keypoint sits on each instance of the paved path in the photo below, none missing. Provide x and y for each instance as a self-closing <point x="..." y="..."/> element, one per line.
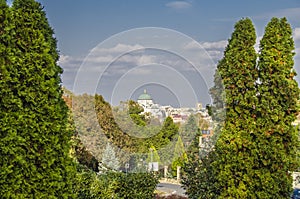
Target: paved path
<point x="171" y="188"/>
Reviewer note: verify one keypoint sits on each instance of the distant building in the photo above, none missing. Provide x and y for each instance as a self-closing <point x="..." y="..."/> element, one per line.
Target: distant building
<point x="145" y="100"/>
<point x="179" y="115"/>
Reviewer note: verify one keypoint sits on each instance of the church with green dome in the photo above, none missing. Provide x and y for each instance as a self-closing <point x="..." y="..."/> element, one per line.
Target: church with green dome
<point x="145" y="100"/>
<point x="145" y="96"/>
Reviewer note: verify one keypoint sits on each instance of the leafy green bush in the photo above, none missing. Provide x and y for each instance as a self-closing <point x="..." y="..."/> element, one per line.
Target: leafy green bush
<point x="136" y="185"/>
<point x="115" y="185"/>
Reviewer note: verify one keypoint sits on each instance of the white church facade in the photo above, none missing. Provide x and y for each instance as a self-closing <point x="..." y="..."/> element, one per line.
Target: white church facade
<point x="146" y="101"/>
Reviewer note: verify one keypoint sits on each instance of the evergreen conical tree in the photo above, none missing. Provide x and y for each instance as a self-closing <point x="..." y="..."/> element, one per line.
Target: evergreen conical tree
<point x="169" y="129"/>
<point x="179" y="157"/>
<point x="153" y="155"/>
<point x="109" y="158"/>
<point x="235" y="147"/>
<point x="10" y="141"/>
<point x="179" y="150"/>
<point x="35" y="142"/>
<point x="277" y="108"/>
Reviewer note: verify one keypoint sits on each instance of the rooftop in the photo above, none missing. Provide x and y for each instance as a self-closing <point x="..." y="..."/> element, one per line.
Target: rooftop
<point x="145" y="96"/>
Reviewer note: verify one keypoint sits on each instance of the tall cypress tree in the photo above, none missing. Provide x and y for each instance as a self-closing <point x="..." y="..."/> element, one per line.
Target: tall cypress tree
<point x="10" y="141"/>
<point x="278" y="95"/>
<point x="226" y="171"/>
<point x="36" y="162"/>
<point x="236" y="145"/>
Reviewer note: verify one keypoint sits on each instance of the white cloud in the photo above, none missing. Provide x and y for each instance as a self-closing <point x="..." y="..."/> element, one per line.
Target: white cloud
<point x="119" y="48"/>
<point x="63" y="59"/>
<point x="100" y="59"/>
<point x="193" y="45"/>
<point x="141" y="71"/>
<point x="137" y="59"/>
<point x="121" y="58"/>
<point x="107" y="55"/>
<point x="206" y="45"/>
<point x="296" y="34"/>
<point x="68" y="62"/>
<point x="178" y="5"/>
<point x="214" y="49"/>
<point x="215" y="53"/>
<point x="214" y="45"/>
<point x="256" y="46"/>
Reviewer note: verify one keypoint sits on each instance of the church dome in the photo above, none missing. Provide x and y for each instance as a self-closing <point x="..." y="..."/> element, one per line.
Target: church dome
<point x="145" y="96"/>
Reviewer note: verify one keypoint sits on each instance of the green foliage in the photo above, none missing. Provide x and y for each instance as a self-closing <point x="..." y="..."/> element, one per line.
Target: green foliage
<point x="136" y="185"/>
<point x="92" y="186"/>
<point x="257" y="148"/>
<point x="179" y="148"/>
<point x="115" y="185"/>
<point x="138" y="120"/>
<point x="178" y="162"/>
<point x="236" y="147"/>
<point x="110" y="127"/>
<point x="204" y="124"/>
<point x="155" y="157"/>
<point x="110" y="124"/>
<point x="35" y="141"/>
<point x="83" y="111"/>
<point x="277" y="139"/>
<point x="167" y="132"/>
<point x="209" y="110"/>
<point x="217" y="92"/>
<point x="122" y="132"/>
<point x="189" y="130"/>
<point x="179" y="157"/>
<point x="198" y="175"/>
<point x="135" y="112"/>
<point x="6" y="49"/>
<point x="83" y="156"/>
<point x="134" y="108"/>
<point x="87" y="126"/>
<point x="194" y="146"/>
<point x="223" y="172"/>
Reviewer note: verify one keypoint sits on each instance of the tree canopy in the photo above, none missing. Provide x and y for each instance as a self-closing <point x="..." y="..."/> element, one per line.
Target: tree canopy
<point x="255" y="152"/>
<point x="35" y="141"/>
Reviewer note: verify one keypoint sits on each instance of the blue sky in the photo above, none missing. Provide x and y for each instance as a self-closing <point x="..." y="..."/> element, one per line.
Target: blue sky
<point x="80" y="24"/>
<point x="85" y="30"/>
